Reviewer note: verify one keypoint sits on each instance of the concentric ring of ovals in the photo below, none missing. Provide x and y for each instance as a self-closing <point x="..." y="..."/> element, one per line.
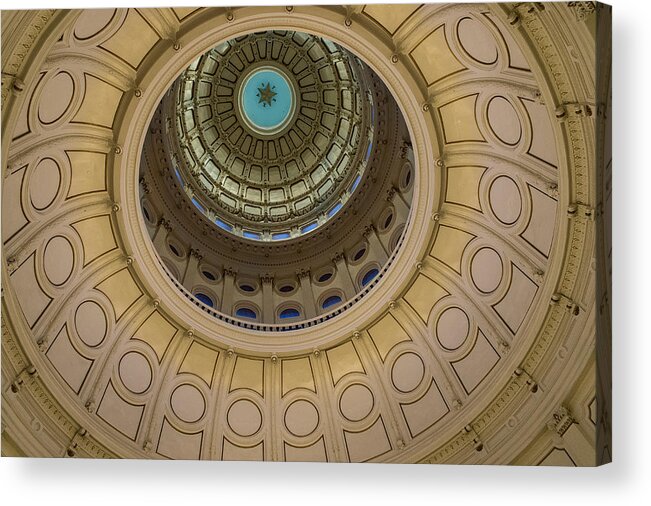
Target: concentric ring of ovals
<point x="188" y="403"/>
<point x="135" y="372"/>
<point x="486" y="270"/>
<point x="504" y="121"/>
<point x="301" y="418"/>
<point x="58" y="260"/>
<point x="56" y="97"/>
<point x="407" y="372"/>
<point x="244" y="417"/>
<point x="91" y="22"/>
<point x="356" y="402"/>
<point x="91" y="323"/>
<point x="505" y="200"/>
<point x="44" y="184"/>
<point x="477" y="41"/>
<point x="452" y="328"/>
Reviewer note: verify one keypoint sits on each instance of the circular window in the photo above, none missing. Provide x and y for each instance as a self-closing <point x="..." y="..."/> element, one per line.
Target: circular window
<point x="286" y="287"/>
<point x="209" y="273"/>
<point x="247" y="286"/>
<point x="324" y="276"/>
<point x="386" y="219"/>
<point x="359" y="253"/>
<point x="176" y="249"/>
<point x="406" y="177"/>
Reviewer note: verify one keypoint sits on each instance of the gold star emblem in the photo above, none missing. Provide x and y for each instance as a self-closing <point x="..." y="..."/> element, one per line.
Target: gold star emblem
<point x="266" y="95"/>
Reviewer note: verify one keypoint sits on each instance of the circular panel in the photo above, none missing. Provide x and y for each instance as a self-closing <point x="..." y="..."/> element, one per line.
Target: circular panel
<point x="407" y="372"/>
<point x="135" y="372"/>
<point x="486" y="270"/>
<point x="90" y="322"/>
<point x="504" y="121"/>
<point x="505" y="200"/>
<point x="301" y="418"/>
<point x="356" y="402"/>
<point x="44" y="183"/>
<point x="452" y="328"/>
<point x="55" y="98"/>
<point x="267" y="100"/>
<point x="91" y="22"/>
<point x="477" y="41"/>
<point x="188" y="403"/>
<point x="58" y="260"/>
<point x="244" y="417"/>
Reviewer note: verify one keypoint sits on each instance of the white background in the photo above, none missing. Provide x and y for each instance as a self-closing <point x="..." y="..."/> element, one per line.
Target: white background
<point x="625" y="482"/>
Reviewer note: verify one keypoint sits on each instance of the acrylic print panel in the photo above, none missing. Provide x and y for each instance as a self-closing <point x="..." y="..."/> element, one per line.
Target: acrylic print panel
<point x="371" y="233"/>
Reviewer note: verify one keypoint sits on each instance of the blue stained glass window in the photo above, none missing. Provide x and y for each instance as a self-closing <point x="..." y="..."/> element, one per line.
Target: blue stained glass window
<point x="198" y="206"/>
<point x="356" y="183"/>
<point x="309" y="228"/>
<point x="251" y="235"/>
<point x="280" y="235"/>
<point x="223" y="225"/>
<point x="178" y="175"/>
<point x="290" y="313"/>
<point x="245" y="312"/>
<point x="205" y="299"/>
<point x="368" y="151"/>
<point x="333" y="300"/>
<point x="368" y="277"/>
<point x="334" y="210"/>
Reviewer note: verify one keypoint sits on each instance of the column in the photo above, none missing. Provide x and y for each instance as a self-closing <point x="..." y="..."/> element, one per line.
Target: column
<point x="268" y="315"/>
<point x="306" y="294"/>
<point x="228" y="289"/>
<point x="343" y="275"/>
<point x="376" y="248"/>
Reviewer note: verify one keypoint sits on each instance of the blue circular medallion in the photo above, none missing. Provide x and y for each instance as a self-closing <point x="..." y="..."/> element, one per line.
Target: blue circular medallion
<point x="266" y="100"/>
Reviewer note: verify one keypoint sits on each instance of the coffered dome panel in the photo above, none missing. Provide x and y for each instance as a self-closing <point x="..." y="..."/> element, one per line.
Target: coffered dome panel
<point x="270" y="130"/>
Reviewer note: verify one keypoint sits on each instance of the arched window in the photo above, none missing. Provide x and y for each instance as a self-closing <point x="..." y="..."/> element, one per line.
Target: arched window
<point x="368" y="277"/>
<point x="205" y="299"/>
<point x="333" y="300"/>
<point x="245" y="312"/>
<point x="290" y="313"/>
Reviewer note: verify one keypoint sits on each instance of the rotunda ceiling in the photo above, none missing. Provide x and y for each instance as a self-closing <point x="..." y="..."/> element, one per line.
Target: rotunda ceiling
<point x="271" y="130"/>
<point x="478" y="168"/>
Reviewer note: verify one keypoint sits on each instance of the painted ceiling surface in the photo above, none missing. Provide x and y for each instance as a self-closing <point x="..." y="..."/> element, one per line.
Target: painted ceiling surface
<point x="455" y="144"/>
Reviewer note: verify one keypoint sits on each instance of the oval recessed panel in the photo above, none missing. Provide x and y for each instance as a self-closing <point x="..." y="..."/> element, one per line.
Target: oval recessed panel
<point x="504" y="121"/>
<point x="407" y="372"/>
<point x="477" y="41"/>
<point x="188" y="403"/>
<point x="486" y="270"/>
<point x="356" y="402"/>
<point x="244" y="418"/>
<point x="301" y="418"/>
<point x="90" y="322"/>
<point x="135" y="372"/>
<point x="91" y="22"/>
<point x="505" y="200"/>
<point x="56" y="98"/>
<point x="44" y="183"/>
<point x="452" y="328"/>
<point x="58" y="260"/>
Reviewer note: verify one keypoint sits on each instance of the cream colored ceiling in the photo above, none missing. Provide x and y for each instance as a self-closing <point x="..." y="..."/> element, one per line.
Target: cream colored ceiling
<point x="481" y="333"/>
